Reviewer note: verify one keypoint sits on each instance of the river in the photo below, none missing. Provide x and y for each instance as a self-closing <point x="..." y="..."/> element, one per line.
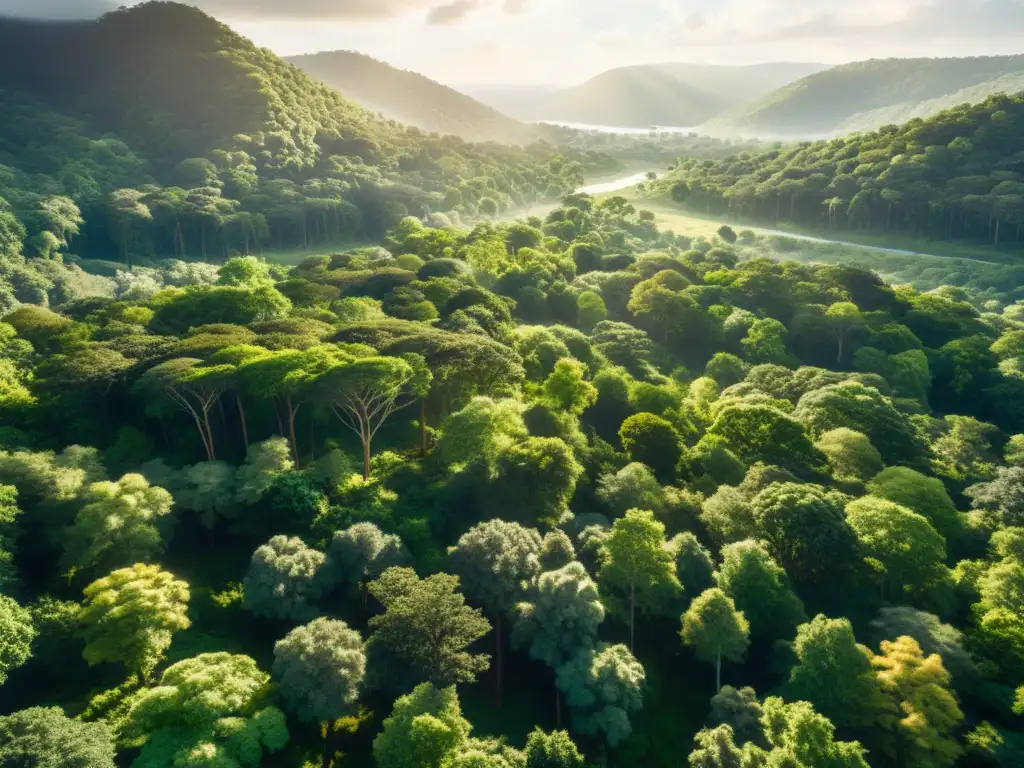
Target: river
<point x="629" y="131"/>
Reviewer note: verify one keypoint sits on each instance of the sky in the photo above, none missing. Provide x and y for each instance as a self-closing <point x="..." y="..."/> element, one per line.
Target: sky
<point x="559" y="42"/>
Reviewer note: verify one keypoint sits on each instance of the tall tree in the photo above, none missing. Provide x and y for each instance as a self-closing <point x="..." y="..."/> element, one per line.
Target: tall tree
<point x="639" y="562"/>
<point x="319" y="668"/>
<point x="131" y="615"/>
<point x="427" y="627"/>
<point x="17" y="633"/>
<point x="497" y="562"/>
<point x="716" y="630"/>
<point x="45" y="737"/>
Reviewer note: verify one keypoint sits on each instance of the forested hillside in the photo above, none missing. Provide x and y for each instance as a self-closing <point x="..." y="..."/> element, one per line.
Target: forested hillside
<point x="867" y="95"/>
<point x="673" y="94"/>
<point x="562" y="492"/>
<point x="170" y="135"/>
<point x="411" y="98"/>
<point x="956" y="176"/>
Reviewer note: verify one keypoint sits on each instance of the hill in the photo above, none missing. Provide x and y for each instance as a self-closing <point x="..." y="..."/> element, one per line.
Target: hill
<point x="869" y="94"/>
<point x="958" y="175"/>
<point x="236" y="148"/>
<point x="671" y="94"/>
<point x="409" y="97"/>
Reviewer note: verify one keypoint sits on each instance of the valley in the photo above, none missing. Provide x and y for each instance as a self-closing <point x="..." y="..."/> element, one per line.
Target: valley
<point x="352" y="420"/>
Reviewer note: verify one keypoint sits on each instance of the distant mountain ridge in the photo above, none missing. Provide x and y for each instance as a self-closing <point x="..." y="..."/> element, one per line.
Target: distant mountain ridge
<point x="670" y="94"/>
<point x="866" y="95"/>
<point x="410" y="97"/>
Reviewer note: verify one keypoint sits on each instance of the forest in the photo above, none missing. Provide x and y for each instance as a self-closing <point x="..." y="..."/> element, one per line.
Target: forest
<point x="472" y="489"/>
<point x="957" y="176"/>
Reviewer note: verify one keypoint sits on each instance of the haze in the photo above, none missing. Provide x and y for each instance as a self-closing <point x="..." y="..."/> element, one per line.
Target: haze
<point x="565" y="41"/>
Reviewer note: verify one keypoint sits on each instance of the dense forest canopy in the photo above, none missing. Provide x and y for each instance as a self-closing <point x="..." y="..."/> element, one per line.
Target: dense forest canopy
<point x="565" y="490"/>
<point x="956" y="176"/>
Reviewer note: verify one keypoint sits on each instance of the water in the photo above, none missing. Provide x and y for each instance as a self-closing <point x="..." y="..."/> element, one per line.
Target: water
<point x="610" y="186"/>
<point x="637" y="131"/>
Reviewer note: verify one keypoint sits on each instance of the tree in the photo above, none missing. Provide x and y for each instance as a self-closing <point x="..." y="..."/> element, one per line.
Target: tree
<point x="802" y="738"/>
<point x="638" y="561"/>
<point x="850" y="454"/>
<point x="562" y="615"/>
<point x="16" y="636"/>
<point x="805" y="531"/>
<point x="845" y="319"/>
<point x="602" y="686"/>
<point x="365" y="391"/>
<point x="919" y="689"/>
<point x="191" y="387"/>
<point x="44" y="737"/>
<point x="566" y="388"/>
<point x="715" y="630"/>
<point x="765" y="342"/>
<point x="535" y="480"/>
<point x="427" y="626"/>
<point x="632" y="487"/>
<point x="930" y="633"/>
<point x="591" y="310"/>
<point x="211" y="705"/>
<point x="552" y="750"/>
<point x="131" y="615"/>
<point x="834" y="673"/>
<point x="319" y="669"/>
<point x="126" y="213"/>
<point x="285" y="579"/>
<point x="909" y="551"/>
<point x="264" y="463"/>
<point x="361" y="553"/>
<point x="653" y="441"/>
<point x="1001" y="499"/>
<point x="556" y="551"/>
<point x="695" y="568"/>
<point x="764" y="433"/>
<point x="741" y="711"/>
<point x="760" y="589"/>
<point x="496" y="562"/>
<point x="122" y="522"/>
<point x="481" y="430"/>
<point x="863" y="409"/>
<point x="728" y="516"/>
<point x="715" y="748"/>
<point x="424" y="728"/>
<point x="926" y="496"/>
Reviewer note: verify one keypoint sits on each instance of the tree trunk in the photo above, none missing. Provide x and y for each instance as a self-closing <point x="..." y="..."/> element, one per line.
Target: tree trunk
<point x="718" y="670"/>
<point x="632" y="615"/>
<point x="423" y="426"/>
<point x="328" y="732"/>
<point x="241" y="418"/>
<point x="839" y="357"/>
<point x="998" y="223"/>
<point x="499" y="662"/>
<point x="291" y="430"/>
<point x="778" y="209"/>
<point x="366" y="458"/>
<point x="792" y="205"/>
<point x="209" y="434"/>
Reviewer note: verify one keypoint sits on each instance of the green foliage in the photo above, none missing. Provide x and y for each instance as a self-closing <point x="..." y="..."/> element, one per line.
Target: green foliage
<point x="213" y="705"/>
<point x="424" y="728"/>
<point x="119" y="524"/>
<point x="760" y="590"/>
<point x="653" y="441"/>
<point x="319" y="669"/>
<point x="602" y="687"/>
<point x="566" y="388"/>
<point x="285" y="579"/>
<point x="835" y="674"/>
<point x="131" y="615"/>
<point x="17" y="632"/>
<point x="427" y="627"/>
<point x="919" y="493"/>
<point x="909" y="551"/>
<point x="562" y="616"/>
<point x="552" y="750"/>
<point x="45" y="737"/>
<point x="715" y="630"/>
<point x="850" y="454"/>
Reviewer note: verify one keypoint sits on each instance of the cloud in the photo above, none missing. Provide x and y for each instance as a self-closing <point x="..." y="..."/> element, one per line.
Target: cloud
<point x="56" y="10"/>
<point x="452" y="13"/>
